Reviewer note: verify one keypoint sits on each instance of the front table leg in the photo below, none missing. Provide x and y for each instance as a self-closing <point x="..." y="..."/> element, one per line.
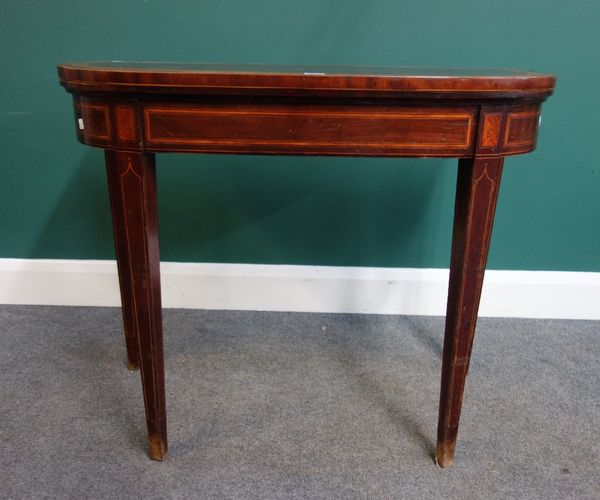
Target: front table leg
<point x="123" y="265"/>
<point x="476" y="195"/>
<point x="132" y="182"/>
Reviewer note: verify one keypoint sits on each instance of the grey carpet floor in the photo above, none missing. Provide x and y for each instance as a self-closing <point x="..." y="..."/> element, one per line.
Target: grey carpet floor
<point x="288" y="405"/>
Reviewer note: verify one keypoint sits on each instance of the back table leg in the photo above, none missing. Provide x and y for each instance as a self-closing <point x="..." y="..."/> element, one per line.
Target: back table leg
<point x="476" y="195"/>
<point x="132" y="183"/>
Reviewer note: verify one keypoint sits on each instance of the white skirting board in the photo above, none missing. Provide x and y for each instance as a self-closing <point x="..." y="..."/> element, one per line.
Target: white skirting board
<point x="524" y="294"/>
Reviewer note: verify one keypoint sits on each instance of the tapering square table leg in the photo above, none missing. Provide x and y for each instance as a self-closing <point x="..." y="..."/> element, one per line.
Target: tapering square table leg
<point x="132" y="185"/>
<point x="476" y="195"/>
<point x="123" y="265"/>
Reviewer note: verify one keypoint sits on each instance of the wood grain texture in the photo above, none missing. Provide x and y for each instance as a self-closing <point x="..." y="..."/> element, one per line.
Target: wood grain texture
<point x="490" y="133"/>
<point x="123" y="263"/>
<point x="133" y="195"/>
<point x="133" y="110"/>
<point x="126" y="120"/>
<point x="521" y="129"/>
<point x="94" y="122"/>
<point x="297" y="80"/>
<point x="310" y="129"/>
<point x="476" y="195"/>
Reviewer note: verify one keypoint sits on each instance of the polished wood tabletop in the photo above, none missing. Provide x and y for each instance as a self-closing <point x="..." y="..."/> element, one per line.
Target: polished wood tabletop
<point x="136" y="109"/>
<point x="326" y="80"/>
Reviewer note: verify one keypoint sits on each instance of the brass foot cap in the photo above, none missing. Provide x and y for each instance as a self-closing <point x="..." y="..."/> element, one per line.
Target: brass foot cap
<point x="444" y="454"/>
<point x="132" y="367"/>
<point x="157" y="447"/>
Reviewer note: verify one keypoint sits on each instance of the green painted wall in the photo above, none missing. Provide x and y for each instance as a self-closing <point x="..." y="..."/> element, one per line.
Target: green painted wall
<point x="336" y="211"/>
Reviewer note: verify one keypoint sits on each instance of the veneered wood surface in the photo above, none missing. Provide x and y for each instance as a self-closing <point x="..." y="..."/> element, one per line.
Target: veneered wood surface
<point x="432" y="129"/>
<point x="333" y="110"/>
<point x="310" y="129"/>
<point x="477" y="189"/>
<point x="371" y="81"/>
<point x="133" y="110"/>
<point x="132" y="184"/>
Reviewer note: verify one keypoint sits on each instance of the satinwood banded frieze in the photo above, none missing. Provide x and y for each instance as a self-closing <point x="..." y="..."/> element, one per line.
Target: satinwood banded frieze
<point x="490" y="130"/>
<point x="507" y="130"/>
<point x="521" y="129"/>
<point x="93" y="122"/>
<point x="126" y="118"/>
<point x="366" y="130"/>
<point x="310" y="129"/>
<point x="101" y="123"/>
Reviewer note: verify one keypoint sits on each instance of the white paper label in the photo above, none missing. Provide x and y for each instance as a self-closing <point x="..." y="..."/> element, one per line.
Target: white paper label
<point x="80" y="123"/>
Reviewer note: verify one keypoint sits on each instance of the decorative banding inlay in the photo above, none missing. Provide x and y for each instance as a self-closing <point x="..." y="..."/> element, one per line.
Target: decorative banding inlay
<point x="83" y="85"/>
<point x="390" y="129"/>
<point x="96" y="121"/>
<point x="490" y="134"/>
<point x="521" y="129"/>
<point x="126" y="127"/>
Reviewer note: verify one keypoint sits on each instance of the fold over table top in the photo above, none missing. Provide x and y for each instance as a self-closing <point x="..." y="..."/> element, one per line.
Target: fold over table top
<point x="258" y="79"/>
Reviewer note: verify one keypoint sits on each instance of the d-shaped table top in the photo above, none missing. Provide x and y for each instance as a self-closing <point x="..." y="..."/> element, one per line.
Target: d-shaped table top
<point x="372" y="81"/>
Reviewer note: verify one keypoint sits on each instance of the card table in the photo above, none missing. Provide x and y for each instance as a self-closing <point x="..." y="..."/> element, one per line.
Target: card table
<point x="135" y="110"/>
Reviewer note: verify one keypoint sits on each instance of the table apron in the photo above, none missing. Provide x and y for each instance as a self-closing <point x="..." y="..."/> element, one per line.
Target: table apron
<point x="307" y="129"/>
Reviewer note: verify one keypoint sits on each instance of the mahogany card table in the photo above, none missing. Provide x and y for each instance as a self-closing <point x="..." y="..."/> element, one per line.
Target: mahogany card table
<point x="135" y="110"/>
